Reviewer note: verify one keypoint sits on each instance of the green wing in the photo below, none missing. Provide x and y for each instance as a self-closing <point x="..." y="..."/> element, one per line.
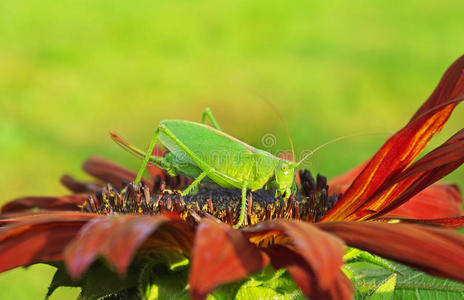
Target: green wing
<point x="223" y="152"/>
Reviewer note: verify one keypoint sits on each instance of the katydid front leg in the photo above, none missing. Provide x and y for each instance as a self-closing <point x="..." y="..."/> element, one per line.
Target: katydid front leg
<point x="208" y="113"/>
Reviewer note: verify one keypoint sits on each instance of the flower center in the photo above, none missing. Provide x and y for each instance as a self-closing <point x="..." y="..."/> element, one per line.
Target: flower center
<point x="310" y="202"/>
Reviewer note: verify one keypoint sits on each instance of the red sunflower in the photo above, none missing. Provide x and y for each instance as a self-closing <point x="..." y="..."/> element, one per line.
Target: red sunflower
<point x="307" y="235"/>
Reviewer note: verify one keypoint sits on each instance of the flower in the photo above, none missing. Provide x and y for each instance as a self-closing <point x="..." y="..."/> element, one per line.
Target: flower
<point x="117" y="220"/>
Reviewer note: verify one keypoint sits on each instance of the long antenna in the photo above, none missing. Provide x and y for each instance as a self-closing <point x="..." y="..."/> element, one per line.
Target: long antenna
<point x="279" y="115"/>
<point x="330" y="142"/>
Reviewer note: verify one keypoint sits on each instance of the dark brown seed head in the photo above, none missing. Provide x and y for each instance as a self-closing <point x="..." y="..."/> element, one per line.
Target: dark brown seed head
<point x="310" y="203"/>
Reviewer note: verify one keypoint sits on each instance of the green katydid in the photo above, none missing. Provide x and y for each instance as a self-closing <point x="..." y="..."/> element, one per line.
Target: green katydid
<point x="202" y="152"/>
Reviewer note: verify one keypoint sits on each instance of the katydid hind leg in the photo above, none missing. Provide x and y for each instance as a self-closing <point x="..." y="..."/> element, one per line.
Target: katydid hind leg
<point x="147" y="157"/>
<point x="197" y="181"/>
<point x="158" y="161"/>
<point x="201" y="163"/>
<point x="207" y="169"/>
<point x="243" y="205"/>
<point x="219" y="178"/>
<point x="209" y="114"/>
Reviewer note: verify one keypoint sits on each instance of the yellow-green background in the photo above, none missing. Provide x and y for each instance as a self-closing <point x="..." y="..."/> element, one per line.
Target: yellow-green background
<point x="70" y="71"/>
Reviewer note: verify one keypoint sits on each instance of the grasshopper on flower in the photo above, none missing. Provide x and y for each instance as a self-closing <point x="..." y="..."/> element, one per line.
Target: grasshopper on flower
<point x="202" y="152"/>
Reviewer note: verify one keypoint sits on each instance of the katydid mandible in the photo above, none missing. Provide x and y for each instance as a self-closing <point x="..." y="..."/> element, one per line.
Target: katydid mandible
<point x="202" y="152"/>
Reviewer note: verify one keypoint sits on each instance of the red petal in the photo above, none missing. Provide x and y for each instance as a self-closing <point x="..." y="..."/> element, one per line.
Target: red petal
<point x="109" y="171"/>
<point x="439" y="252"/>
<point x="29" y="218"/>
<point x="77" y="186"/>
<point x="439" y="200"/>
<point x="221" y="255"/>
<point x="342" y="288"/>
<point x="115" y="238"/>
<point x="41" y="239"/>
<point x="429" y="169"/>
<point x="87" y="245"/>
<point x="287" y="257"/>
<point x="321" y="252"/>
<point x="450" y="223"/>
<point x="436" y="201"/>
<point x="340" y="183"/>
<point x="154" y="170"/>
<point x="71" y="202"/>
<point x="401" y="149"/>
<point x="129" y="237"/>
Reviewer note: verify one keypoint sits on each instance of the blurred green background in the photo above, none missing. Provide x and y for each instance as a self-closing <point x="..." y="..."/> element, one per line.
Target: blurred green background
<point x="70" y="71"/>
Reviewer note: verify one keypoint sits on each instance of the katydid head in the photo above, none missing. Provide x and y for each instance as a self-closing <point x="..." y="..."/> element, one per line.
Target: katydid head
<point x="285" y="176"/>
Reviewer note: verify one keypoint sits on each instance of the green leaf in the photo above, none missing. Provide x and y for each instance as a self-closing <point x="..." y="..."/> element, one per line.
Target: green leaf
<point x="158" y="281"/>
<point x="351" y="275"/>
<point x="164" y="273"/>
<point x="412" y="284"/>
<point x="100" y="282"/>
<point x="364" y="256"/>
<point x="128" y="294"/>
<point x="286" y="286"/>
<point x="351" y="253"/>
<point x="61" y="279"/>
<point x="165" y="276"/>
<point x="266" y="284"/>
<point x="385" y="290"/>
<point x="226" y="291"/>
<point x="267" y="275"/>
<point x="259" y="292"/>
<point x="172" y="259"/>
